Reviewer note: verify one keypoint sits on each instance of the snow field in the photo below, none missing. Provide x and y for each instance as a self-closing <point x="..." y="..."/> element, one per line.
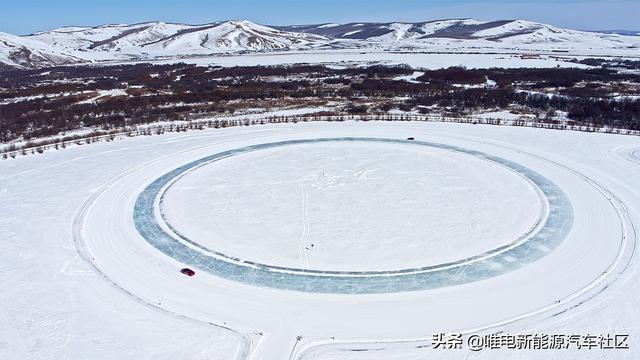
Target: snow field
<point x="363" y="206"/>
<point x="591" y="273"/>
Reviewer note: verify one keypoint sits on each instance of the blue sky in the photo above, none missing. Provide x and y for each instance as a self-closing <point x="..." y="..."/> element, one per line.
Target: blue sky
<point x="26" y="16"/>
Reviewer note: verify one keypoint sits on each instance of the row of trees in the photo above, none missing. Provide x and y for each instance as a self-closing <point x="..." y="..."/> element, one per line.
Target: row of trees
<point x="39" y="146"/>
<point x="40" y="103"/>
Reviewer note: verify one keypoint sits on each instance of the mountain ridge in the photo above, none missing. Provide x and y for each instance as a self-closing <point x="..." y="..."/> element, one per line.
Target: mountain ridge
<point x="155" y="39"/>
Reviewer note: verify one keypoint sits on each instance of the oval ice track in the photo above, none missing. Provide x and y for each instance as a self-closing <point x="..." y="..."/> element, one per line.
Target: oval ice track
<point x="481" y="266"/>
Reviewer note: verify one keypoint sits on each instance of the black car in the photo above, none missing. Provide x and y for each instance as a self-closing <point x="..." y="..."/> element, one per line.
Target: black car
<point x="188" y="272"/>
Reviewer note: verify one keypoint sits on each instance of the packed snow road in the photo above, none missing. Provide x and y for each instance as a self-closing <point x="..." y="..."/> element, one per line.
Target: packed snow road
<point x="576" y="192"/>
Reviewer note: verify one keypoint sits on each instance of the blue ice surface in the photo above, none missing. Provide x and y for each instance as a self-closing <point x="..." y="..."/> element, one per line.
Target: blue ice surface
<point x="483" y="266"/>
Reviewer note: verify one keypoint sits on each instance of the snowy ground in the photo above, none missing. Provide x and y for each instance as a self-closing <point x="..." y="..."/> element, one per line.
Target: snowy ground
<point x="344" y="58"/>
<point x="92" y="287"/>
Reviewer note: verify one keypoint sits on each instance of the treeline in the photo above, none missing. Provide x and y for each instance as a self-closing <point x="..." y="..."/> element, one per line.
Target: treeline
<point x="58" y="143"/>
<point x="623" y="113"/>
<point x="38" y="103"/>
<point x="537" y="78"/>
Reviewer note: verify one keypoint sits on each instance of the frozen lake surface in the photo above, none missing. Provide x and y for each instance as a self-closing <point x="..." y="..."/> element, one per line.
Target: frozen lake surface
<point x="80" y="281"/>
<point x="519" y="251"/>
<point x="352" y="205"/>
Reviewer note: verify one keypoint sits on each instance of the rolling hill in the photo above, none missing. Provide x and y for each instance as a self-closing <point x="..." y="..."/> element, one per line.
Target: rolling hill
<point x="152" y="40"/>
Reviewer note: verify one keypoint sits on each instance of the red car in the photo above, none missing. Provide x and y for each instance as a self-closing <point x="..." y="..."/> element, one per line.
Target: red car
<point x="188" y="272"/>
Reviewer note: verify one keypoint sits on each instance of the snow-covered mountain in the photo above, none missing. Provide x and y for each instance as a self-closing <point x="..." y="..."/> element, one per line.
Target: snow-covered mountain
<point x="18" y="51"/>
<point x="470" y="32"/>
<point x="107" y="37"/>
<point x="157" y="39"/>
<point x="457" y="28"/>
<point x="231" y="36"/>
